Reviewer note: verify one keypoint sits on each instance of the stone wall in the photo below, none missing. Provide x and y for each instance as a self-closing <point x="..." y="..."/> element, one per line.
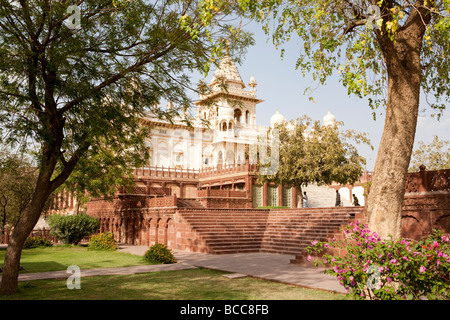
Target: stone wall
<point x="423" y="212"/>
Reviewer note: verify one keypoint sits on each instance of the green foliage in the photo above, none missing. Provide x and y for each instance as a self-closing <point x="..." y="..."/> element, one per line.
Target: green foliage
<point x="376" y="269"/>
<point x="348" y="39"/>
<point x="17" y="182"/>
<point x="434" y="156"/>
<point x="159" y="253"/>
<point x="71" y="229"/>
<point x="312" y="153"/>
<point x="88" y="89"/>
<point x="35" y="242"/>
<point x="103" y="241"/>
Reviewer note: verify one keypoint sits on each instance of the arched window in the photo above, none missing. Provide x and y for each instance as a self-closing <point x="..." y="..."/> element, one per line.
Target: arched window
<point x="247" y="116"/>
<point x="237" y="116"/>
<point x="224" y="126"/>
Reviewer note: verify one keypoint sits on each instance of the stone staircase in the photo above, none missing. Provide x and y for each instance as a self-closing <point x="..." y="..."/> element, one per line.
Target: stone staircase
<point x="276" y="231"/>
<point x="189" y="203"/>
<point x="356" y="214"/>
<point x="291" y="232"/>
<point x="228" y="231"/>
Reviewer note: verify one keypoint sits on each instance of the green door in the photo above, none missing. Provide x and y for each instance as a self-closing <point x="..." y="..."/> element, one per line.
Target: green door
<point x="272" y="196"/>
<point x="257" y="193"/>
<point x="287" y="197"/>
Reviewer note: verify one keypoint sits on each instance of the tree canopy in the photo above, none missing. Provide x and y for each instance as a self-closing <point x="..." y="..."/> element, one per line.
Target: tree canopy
<point x="76" y="77"/>
<point x="382" y="50"/>
<point x="434" y="155"/>
<point x="312" y="153"/>
<point x="351" y="38"/>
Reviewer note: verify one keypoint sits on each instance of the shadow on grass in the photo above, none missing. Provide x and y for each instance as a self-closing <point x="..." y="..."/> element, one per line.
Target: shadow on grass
<point x="192" y="284"/>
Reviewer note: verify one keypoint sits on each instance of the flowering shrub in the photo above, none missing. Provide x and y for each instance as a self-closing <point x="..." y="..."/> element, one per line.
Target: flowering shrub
<point x="388" y="269"/>
<point x="159" y="253"/>
<point x="103" y="241"/>
<point x="34" y="242"/>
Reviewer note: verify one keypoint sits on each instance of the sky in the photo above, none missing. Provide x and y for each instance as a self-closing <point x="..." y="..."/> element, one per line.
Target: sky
<point x="282" y="87"/>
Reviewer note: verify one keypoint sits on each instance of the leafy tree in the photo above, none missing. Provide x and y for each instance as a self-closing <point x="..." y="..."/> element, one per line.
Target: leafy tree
<point x="312" y="153"/>
<point x="383" y="50"/>
<point x="75" y="88"/>
<point x="434" y="156"/>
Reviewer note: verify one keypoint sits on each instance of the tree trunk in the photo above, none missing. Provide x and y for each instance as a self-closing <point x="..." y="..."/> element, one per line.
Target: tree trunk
<point x="14" y="250"/>
<point x="385" y="200"/>
<point x="21" y="231"/>
<point x="384" y="205"/>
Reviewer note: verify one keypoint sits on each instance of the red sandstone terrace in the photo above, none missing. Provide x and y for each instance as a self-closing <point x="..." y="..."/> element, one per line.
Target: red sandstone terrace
<point x="221" y="221"/>
<point x="212" y="212"/>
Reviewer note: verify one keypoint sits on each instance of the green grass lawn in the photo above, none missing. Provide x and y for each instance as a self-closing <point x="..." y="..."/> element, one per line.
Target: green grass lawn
<point x="60" y="257"/>
<point x="192" y="284"/>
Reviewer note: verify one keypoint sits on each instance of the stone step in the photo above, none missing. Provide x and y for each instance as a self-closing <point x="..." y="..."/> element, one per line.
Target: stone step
<point x="235" y="250"/>
<point x="268" y="221"/>
<point x="279" y="231"/>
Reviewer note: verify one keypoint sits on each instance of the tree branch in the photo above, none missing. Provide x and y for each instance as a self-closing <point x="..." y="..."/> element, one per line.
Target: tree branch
<point x="68" y="167"/>
<point x="353" y="25"/>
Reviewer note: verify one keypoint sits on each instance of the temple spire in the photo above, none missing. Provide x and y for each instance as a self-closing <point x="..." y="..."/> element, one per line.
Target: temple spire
<point x="227" y="72"/>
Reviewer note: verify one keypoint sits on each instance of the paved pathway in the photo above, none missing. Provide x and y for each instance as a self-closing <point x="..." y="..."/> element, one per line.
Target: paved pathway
<point x="275" y="267"/>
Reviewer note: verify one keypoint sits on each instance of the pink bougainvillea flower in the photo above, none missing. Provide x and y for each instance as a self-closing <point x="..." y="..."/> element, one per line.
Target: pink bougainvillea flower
<point x="309" y="257"/>
<point x="422" y="269"/>
<point x="314" y="242"/>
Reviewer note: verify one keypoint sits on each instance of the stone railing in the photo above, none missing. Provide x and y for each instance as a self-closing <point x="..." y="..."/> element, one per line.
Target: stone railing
<point x="425" y="181"/>
<point x="167" y="172"/>
<point x="162" y="202"/>
<point x="366" y="177"/>
<point x="154" y="191"/>
<point x="221" y="193"/>
<point x="227" y="169"/>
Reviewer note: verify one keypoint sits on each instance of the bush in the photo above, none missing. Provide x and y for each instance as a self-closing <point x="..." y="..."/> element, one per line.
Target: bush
<point x="71" y="229"/>
<point x="389" y="269"/>
<point x="103" y="241"/>
<point x="34" y="242"/>
<point x="159" y="253"/>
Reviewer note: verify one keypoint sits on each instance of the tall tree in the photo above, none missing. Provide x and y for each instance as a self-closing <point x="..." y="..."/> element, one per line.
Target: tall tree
<point x="434" y="155"/>
<point x="384" y="50"/>
<point x="312" y="153"/>
<point x="76" y="76"/>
